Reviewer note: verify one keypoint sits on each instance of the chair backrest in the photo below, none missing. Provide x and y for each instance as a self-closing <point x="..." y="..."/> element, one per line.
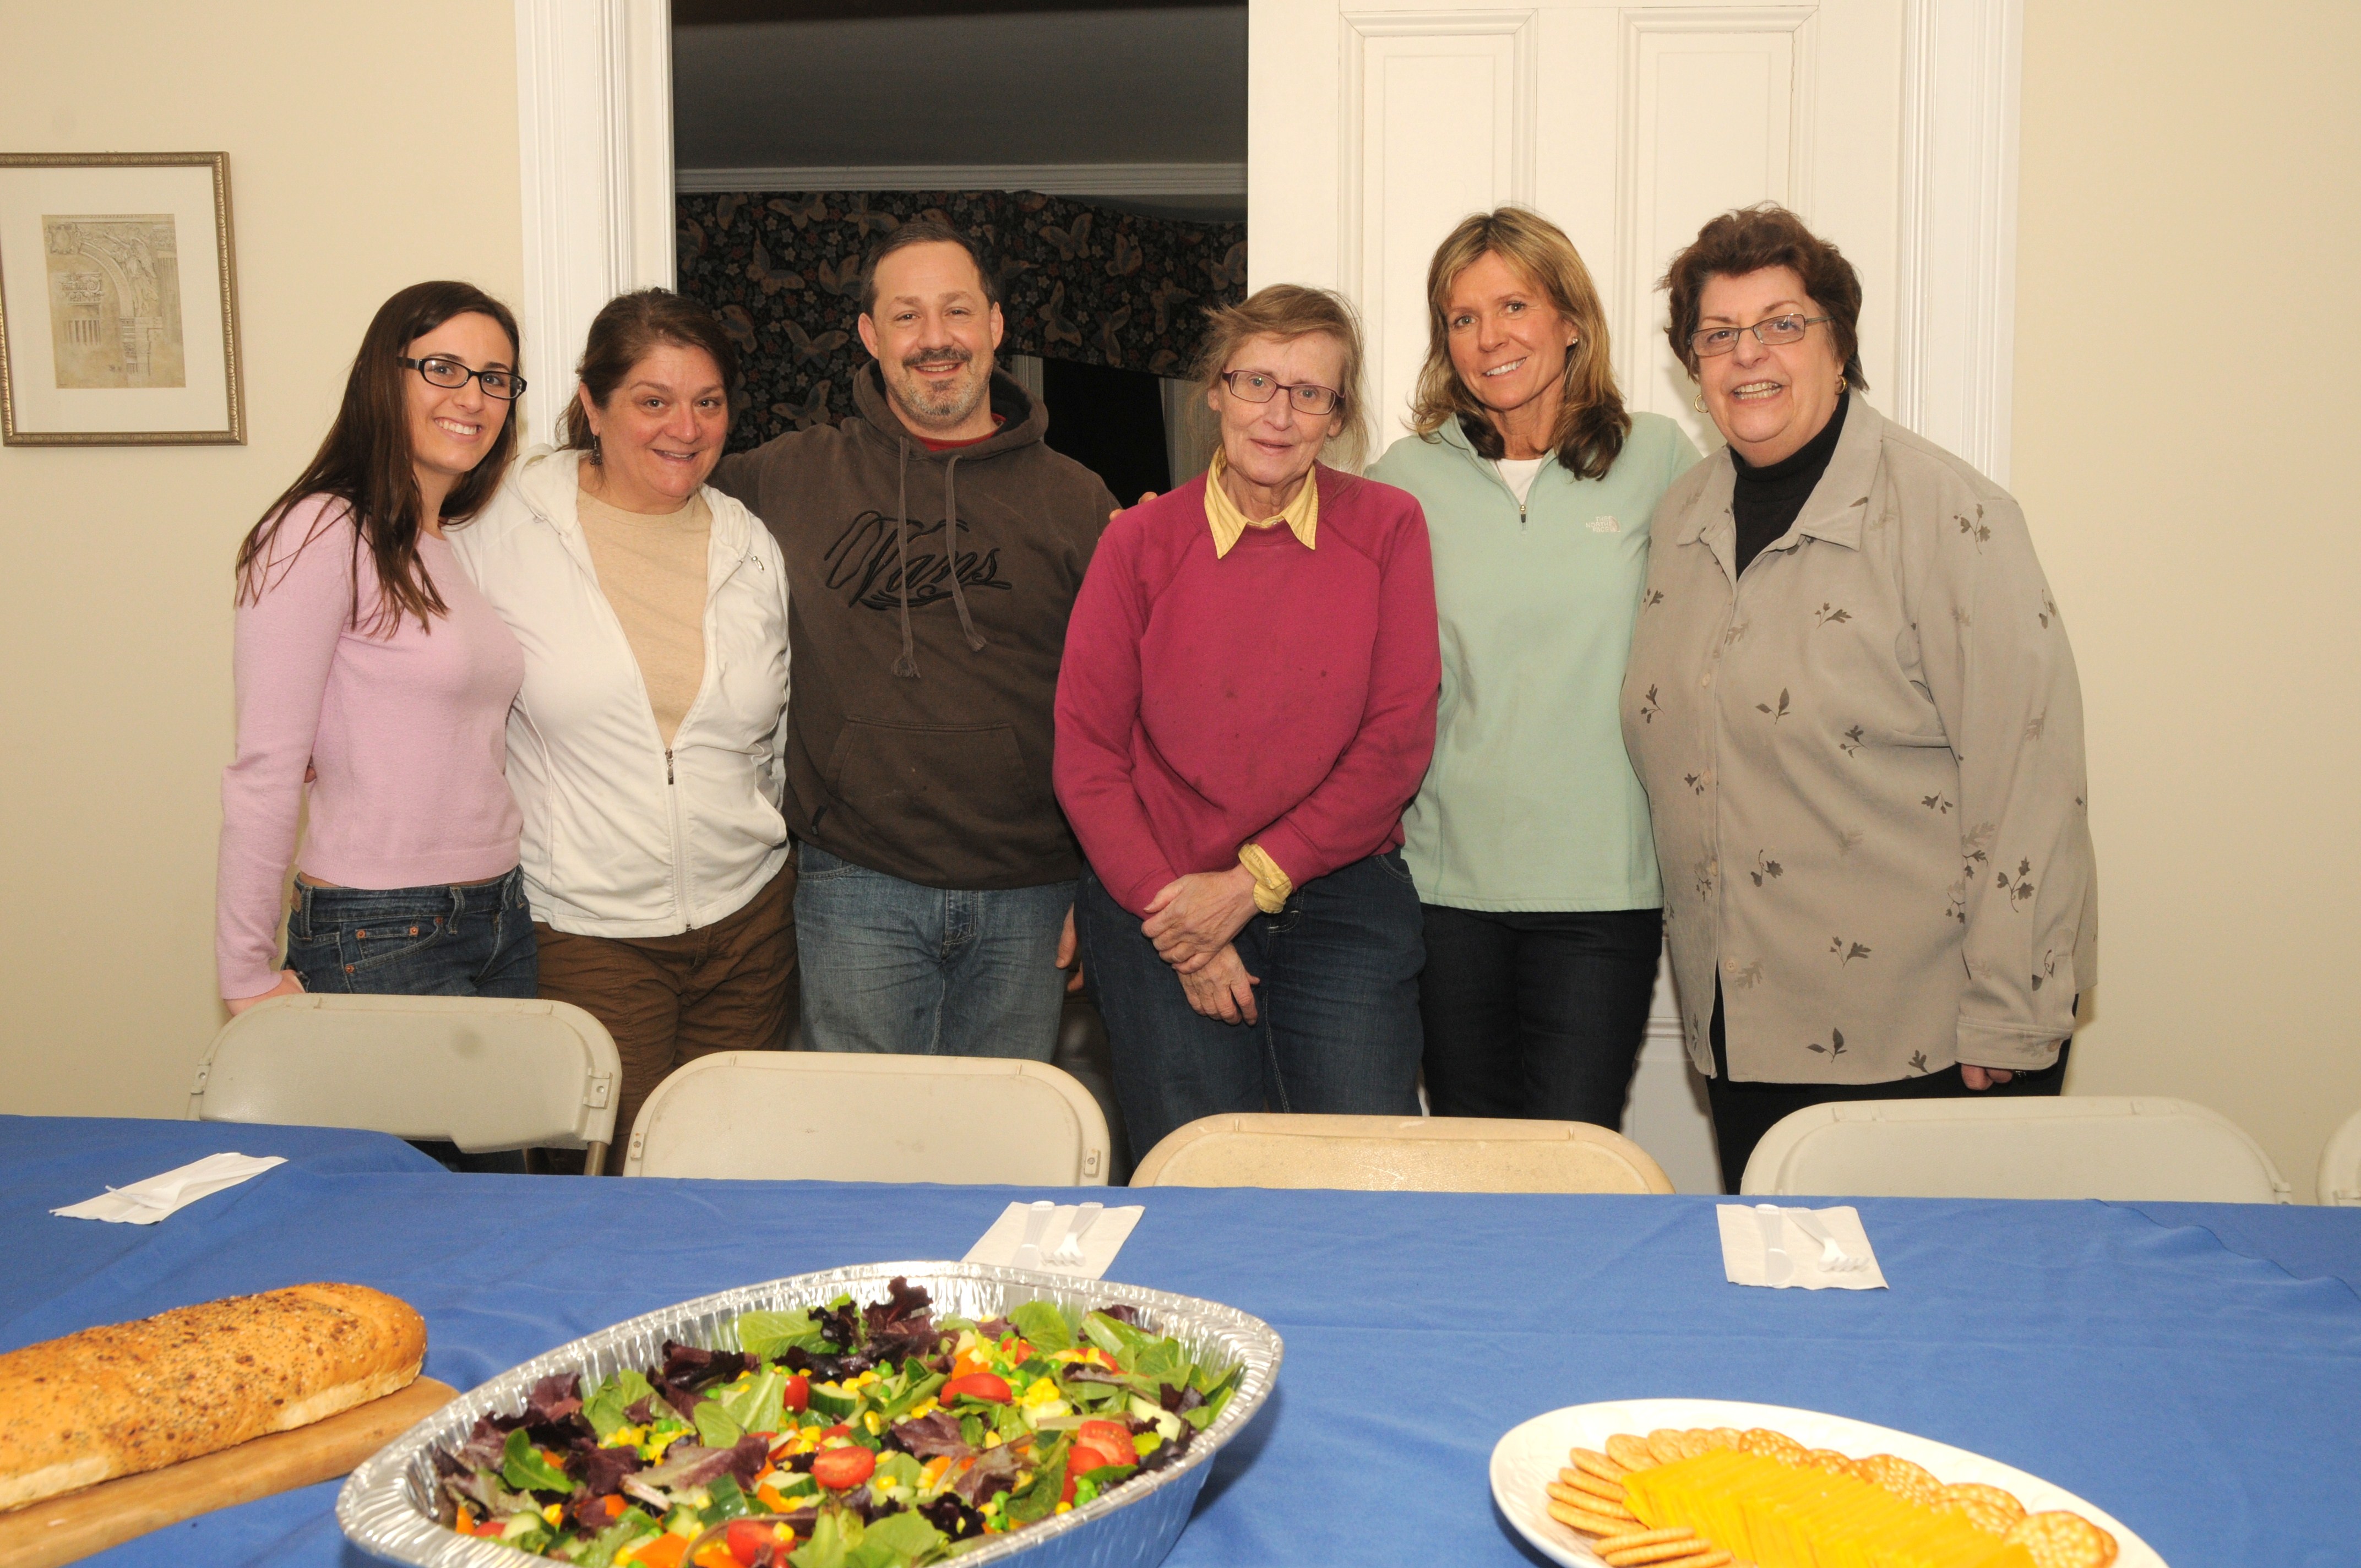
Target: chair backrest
<point x="1406" y="1154"/>
<point x="2340" y="1165"/>
<point x="481" y="1072"/>
<point x="2078" y="1147"/>
<point x="815" y="1116"/>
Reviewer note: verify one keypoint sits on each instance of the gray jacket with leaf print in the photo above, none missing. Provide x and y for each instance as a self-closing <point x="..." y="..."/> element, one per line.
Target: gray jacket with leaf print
<point x="1863" y="759"/>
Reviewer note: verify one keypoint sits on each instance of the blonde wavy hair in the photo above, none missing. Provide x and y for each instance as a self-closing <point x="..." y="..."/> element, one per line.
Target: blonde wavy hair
<point x="1287" y="311"/>
<point x="1591" y="420"/>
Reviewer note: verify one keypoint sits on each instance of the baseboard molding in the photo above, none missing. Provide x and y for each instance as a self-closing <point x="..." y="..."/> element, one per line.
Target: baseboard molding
<point x="1050" y="178"/>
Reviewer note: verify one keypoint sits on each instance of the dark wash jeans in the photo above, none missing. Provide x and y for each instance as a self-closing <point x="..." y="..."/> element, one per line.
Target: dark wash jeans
<point x="418" y="941"/>
<point x="1338" y="1029"/>
<point x="1537" y="1014"/>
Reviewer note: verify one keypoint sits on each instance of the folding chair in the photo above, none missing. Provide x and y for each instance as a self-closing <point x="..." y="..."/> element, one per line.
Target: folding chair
<point x="822" y="1116"/>
<point x="1406" y="1154"/>
<point x="2079" y="1146"/>
<point x="484" y="1073"/>
<point x="2340" y="1165"/>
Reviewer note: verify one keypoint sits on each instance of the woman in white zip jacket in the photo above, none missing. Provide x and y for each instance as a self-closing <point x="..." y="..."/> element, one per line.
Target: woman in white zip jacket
<point x="645" y="746"/>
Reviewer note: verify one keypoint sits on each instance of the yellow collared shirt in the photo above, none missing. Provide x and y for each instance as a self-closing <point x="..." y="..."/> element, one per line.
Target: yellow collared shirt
<point x="1230" y="524"/>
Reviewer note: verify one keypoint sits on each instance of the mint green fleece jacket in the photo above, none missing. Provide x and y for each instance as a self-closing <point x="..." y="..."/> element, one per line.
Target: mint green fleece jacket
<point x="1530" y="803"/>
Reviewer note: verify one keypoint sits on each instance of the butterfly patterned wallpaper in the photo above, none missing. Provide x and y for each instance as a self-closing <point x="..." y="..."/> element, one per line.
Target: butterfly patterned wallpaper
<point x="1076" y="282"/>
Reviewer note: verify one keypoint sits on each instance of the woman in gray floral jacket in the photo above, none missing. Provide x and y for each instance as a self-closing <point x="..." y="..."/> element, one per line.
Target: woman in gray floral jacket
<point x="1852" y="704"/>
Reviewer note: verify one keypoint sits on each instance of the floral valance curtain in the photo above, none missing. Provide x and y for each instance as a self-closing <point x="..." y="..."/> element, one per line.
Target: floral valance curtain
<point x="1076" y="281"/>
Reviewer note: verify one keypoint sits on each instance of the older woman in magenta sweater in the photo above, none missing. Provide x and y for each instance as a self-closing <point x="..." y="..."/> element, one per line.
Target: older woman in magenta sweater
<point x="1246" y="706"/>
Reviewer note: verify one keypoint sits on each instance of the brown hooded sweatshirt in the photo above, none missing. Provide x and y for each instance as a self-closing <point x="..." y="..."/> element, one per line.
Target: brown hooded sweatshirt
<point x="919" y="727"/>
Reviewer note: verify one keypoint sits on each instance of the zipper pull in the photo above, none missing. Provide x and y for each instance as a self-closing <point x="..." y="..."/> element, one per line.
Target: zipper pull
<point x="667" y="765"/>
<point x="1521" y="517"/>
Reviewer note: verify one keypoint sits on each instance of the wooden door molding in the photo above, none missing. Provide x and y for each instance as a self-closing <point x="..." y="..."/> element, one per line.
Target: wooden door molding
<point x="594" y="176"/>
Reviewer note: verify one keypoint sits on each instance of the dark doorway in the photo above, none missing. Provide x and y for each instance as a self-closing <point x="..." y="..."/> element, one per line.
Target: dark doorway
<point x="1112" y="422"/>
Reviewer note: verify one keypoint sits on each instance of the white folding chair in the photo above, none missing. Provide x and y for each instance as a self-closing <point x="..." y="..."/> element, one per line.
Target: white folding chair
<point x="815" y="1116"/>
<point x="2078" y="1147"/>
<point x="482" y="1072"/>
<point x="2340" y="1165"/>
<point x="1400" y="1154"/>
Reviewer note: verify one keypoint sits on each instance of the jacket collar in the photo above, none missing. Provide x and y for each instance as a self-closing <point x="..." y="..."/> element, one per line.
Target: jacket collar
<point x="549" y="480"/>
<point x="1835" y="511"/>
<point x="1024" y="420"/>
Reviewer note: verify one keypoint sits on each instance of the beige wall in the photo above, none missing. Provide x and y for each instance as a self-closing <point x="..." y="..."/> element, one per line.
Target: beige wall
<point x="2191" y="213"/>
<point x="370" y="146"/>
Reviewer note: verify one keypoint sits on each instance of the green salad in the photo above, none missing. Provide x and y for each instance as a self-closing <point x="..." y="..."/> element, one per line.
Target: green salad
<point x="844" y="1436"/>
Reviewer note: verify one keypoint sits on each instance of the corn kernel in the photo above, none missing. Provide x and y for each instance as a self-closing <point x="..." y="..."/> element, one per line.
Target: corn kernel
<point x="555" y="1513"/>
<point x="1064" y="1508"/>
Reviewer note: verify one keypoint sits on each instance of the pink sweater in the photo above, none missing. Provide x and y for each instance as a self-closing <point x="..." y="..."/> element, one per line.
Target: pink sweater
<point x="409" y="734"/>
<point x="1279" y="696"/>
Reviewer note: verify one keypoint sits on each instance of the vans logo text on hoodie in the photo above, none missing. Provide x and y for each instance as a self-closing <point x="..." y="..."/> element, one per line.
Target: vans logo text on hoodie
<point x="865" y="564"/>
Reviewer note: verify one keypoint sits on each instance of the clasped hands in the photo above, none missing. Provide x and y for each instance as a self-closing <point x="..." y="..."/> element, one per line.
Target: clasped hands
<point x="1194" y="922"/>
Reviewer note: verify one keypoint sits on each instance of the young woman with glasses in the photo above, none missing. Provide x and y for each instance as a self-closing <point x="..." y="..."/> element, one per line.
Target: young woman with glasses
<point x="1245" y="704"/>
<point x="373" y="686"/>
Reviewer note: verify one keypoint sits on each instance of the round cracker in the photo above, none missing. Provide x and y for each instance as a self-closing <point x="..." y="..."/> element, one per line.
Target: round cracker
<point x="1669" y="1446"/>
<point x="1723" y="1437"/>
<point x="1911" y="1483"/>
<point x="1591" y="1461"/>
<point x="1714" y="1557"/>
<point x="1646" y="1538"/>
<point x="1584" y="1519"/>
<point x="1582" y="1481"/>
<point x="1662" y="1551"/>
<point x="1989" y="1509"/>
<point x="2060" y="1539"/>
<point x="1590" y="1502"/>
<point x="1772" y="1444"/>
<point x="1827" y="1459"/>
<point x="1630" y="1452"/>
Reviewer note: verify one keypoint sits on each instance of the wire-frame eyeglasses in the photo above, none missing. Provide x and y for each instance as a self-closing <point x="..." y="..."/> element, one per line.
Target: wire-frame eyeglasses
<point x="1303" y="397"/>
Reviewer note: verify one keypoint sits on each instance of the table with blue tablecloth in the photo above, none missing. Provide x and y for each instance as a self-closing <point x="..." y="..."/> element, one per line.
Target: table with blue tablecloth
<point x="2193" y="1369"/>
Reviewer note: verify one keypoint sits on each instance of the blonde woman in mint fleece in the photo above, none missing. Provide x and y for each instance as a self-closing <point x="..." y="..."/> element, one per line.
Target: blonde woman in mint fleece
<point x="1529" y="839"/>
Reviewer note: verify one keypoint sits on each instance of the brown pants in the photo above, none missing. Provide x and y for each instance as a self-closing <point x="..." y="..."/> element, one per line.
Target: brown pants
<point x="728" y="986"/>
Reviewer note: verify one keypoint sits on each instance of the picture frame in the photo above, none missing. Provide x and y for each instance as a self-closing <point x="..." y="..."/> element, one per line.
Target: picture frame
<point x="118" y="300"/>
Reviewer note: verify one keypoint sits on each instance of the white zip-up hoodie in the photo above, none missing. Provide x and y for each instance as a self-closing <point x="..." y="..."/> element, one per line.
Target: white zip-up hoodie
<point x="622" y="837"/>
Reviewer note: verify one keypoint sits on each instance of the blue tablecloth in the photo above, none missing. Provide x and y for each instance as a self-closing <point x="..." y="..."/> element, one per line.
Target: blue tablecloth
<point x="2162" y="1363"/>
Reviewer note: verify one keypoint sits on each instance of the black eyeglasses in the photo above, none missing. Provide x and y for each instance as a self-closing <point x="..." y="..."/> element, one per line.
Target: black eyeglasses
<point x="450" y="375"/>
<point x="1303" y="397"/>
<point x="1779" y="331"/>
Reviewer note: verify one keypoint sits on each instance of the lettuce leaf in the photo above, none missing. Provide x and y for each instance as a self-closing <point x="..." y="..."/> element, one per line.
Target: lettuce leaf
<point x="522" y="1467"/>
<point x="760" y="1406"/>
<point x="716" y="1427"/>
<point x="621" y="1533"/>
<point x="606" y="1407"/>
<point x="771" y="1334"/>
<point x="909" y="1536"/>
<point x="1043" y="1326"/>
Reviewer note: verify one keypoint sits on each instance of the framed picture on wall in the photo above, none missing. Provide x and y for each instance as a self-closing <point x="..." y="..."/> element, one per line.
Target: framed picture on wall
<point x="118" y="300"/>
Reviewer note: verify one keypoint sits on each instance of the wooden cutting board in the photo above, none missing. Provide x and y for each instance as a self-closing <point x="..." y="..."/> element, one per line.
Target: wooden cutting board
<point x="69" y="1527"/>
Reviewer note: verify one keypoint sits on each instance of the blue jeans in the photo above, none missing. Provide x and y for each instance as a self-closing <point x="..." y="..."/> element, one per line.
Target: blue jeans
<point x="898" y="969"/>
<point x="414" y="941"/>
<point x="1338" y="1027"/>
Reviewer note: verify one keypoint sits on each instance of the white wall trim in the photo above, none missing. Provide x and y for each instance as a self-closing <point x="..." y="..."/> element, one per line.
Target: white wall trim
<point x="594" y="166"/>
<point x="1050" y="179"/>
<point x="1962" y="75"/>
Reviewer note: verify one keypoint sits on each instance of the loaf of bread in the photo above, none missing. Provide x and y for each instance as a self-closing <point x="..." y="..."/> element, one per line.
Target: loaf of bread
<point x="133" y="1396"/>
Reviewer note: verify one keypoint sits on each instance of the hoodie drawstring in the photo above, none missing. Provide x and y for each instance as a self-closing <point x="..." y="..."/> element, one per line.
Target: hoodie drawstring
<point x="907" y="664"/>
<point x="951" y="555"/>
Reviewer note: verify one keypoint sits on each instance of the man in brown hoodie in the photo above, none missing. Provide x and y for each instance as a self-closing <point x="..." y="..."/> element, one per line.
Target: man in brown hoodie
<point x="934" y="546"/>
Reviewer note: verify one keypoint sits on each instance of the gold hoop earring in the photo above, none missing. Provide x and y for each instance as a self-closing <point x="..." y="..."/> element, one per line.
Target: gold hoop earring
<point x="1699" y="404"/>
<point x="1841" y="383"/>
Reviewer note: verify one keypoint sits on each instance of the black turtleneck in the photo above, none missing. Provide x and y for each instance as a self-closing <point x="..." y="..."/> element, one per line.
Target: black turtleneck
<point x="1765" y="501"/>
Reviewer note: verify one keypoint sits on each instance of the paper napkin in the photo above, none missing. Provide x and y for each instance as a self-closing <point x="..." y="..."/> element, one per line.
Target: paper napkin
<point x="145" y="1202"/>
<point x="1100" y="1243"/>
<point x="1745" y="1260"/>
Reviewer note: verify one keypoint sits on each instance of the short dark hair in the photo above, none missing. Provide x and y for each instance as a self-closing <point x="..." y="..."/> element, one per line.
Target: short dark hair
<point x="926" y="231"/>
<point x="1748" y="240"/>
<point x="623" y="332"/>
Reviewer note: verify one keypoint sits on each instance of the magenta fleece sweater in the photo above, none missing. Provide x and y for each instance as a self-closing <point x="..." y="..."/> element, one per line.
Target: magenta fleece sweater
<point x="1279" y="696"/>
<point x="409" y="733"/>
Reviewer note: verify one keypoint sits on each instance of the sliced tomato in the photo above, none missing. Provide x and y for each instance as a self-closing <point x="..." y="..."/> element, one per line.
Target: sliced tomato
<point x="840" y="1468"/>
<point x="839" y="1430"/>
<point x="1114" y="1438"/>
<point x="798" y="1393"/>
<point x="747" y="1539"/>
<point x="1084" y="1457"/>
<point x="976" y="1386"/>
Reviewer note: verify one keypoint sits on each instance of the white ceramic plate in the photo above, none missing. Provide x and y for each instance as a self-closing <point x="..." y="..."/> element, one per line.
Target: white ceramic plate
<point x="1528" y="1458"/>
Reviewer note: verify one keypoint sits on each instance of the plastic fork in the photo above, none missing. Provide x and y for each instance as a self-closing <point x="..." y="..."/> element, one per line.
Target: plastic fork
<point x="1036" y="1220"/>
<point x="1834" y="1258"/>
<point x="1778" y="1266"/>
<point x="1067" y="1253"/>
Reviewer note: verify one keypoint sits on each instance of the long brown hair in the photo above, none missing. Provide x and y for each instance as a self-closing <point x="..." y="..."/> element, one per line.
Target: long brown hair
<point x="366" y="462"/>
<point x="1591" y="420"/>
<point x="1287" y="311"/>
<point x="626" y="330"/>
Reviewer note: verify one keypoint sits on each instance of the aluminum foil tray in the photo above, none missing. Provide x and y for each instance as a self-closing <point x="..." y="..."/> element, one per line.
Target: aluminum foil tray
<point x="387" y="1508"/>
